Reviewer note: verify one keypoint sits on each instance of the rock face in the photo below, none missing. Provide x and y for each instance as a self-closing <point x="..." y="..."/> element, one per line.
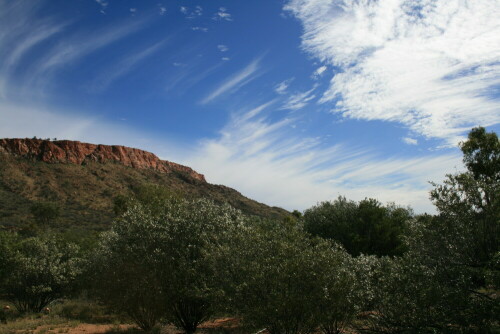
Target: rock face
<point x="75" y="152"/>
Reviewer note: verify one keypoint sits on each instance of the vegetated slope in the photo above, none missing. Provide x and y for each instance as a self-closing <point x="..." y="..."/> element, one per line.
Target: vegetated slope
<point x="84" y="179"/>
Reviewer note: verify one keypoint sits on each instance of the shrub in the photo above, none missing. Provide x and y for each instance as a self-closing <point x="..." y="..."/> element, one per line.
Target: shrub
<point x="286" y="282"/>
<point x="154" y="264"/>
<point x="366" y="227"/>
<point x="40" y="270"/>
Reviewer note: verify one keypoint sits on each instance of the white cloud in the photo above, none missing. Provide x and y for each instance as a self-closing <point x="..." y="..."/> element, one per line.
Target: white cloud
<point x="127" y="64"/>
<point x="24" y="46"/>
<point x="234" y="82"/>
<point x="222" y="15"/>
<point x="226" y="58"/>
<point x="162" y="10"/>
<point x="103" y="4"/>
<point x="191" y="14"/>
<point x="70" y="50"/>
<point x="430" y="65"/>
<point x="269" y="162"/>
<point x="20" y="33"/>
<point x="133" y="10"/>
<point x="410" y="141"/>
<point x="282" y="87"/>
<point x="189" y="75"/>
<point x="319" y="72"/>
<point x="299" y="100"/>
<point x="202" y="29"/>
<point x="222" y="48"/>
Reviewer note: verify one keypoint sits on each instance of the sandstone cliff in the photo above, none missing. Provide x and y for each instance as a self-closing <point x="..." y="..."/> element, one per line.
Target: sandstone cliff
<point x="75" y="152"/>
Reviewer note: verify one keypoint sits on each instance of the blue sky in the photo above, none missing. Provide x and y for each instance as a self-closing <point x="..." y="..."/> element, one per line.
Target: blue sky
<point x="289" y="102"/>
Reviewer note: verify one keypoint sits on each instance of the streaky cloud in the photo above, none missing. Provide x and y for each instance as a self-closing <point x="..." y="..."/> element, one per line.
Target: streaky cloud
<point x="300" y="100"/>
<point x="236" y="81"/>
<point x="295" y="171"/>
<point x="124" y="66"/>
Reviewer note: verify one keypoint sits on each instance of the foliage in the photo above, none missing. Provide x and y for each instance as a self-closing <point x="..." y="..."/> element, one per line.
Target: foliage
<point x="340" y="299"/>
<point x="152" y="196"/>
<point x="447" y="280"/>
<point x="7" y="242"/>
<point x="366" y="227"/>
<point x="469" y="208"/>
<point x="283" y="281"/>
<point x="45" y="213"/>
<point x="472" y="200"/>
<point x="40" y="270"/>
<point x="157" y="252"/>
<point x="273" y="279"/>
<point x="413" y="297"/>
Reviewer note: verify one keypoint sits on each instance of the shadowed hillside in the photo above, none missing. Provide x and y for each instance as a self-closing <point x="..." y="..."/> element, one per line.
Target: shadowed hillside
<point x="85" y="178"/>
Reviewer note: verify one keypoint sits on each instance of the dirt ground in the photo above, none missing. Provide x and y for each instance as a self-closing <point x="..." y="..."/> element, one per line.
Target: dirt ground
<point x="84" y="328"/>
<point x="90" y="329"/>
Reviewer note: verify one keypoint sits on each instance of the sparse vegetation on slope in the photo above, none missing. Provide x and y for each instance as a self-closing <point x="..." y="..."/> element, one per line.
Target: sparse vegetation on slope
<point x="85" y="193"/>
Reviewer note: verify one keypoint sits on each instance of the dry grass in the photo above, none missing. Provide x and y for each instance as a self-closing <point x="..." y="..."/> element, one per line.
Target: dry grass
<point x="37" y="324"/>
<point x="86" y="192"/>
<point x="82" y="316"/>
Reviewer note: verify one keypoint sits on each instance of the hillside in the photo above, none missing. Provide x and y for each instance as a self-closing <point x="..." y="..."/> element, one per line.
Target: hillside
<point x="85" y="178"/>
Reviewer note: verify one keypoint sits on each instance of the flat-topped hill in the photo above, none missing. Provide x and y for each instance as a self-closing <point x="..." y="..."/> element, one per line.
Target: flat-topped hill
<point x="83" y="179"/>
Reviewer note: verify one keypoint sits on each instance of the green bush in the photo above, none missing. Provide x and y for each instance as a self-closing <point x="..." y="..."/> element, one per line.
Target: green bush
<point x="282" y="280"/>
<point x="154" y="264"/>
<point x="40" y="270"/>
<point x="366" y="227"/>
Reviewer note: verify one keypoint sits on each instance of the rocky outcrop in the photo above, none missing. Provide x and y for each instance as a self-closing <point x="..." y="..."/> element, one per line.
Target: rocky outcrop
<point x="75" y="152"/>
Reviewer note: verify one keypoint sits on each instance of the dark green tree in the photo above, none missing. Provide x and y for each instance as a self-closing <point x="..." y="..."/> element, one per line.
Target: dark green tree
<point x="469" y="207"/>
<point x="448" y="279"/>
<point x="366" y="227"/>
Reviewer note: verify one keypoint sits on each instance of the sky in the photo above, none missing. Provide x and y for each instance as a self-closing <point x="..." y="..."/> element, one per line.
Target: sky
<point x="290" y="102"/>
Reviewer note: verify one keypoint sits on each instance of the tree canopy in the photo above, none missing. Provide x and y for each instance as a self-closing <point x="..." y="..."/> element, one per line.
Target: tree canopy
<point x="366" y="227"/>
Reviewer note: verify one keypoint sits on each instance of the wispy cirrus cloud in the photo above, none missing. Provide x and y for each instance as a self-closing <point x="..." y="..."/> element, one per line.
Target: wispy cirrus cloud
<point x="33" y="49"/>
<point x="282" y="87"/>
<point x="72" y="49"/>
<point x="189" y="75"/>
<point x="123" y="67"/>
<point x="430" y="65"/>
<point x="237" y="80"/>
<point x="20" y="33"/>
<point x="296" y="172"/>
<point x="300" y="100"/>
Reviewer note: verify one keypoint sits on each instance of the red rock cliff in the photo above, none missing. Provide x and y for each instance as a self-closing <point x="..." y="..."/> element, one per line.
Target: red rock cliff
<point x="75" y="152"/>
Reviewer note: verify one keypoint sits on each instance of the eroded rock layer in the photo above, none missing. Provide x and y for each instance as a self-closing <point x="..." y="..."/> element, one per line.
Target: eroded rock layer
<point x="75" y="152"/>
